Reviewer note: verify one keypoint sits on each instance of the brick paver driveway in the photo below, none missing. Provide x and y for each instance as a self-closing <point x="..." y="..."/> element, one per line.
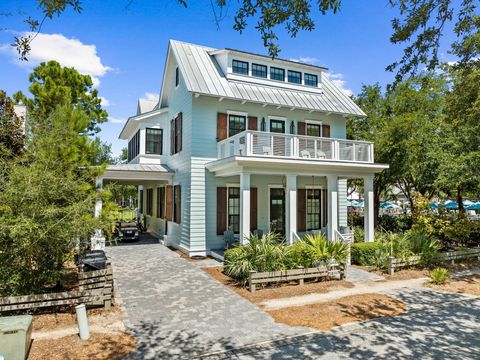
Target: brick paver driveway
<point x="175" y="310"/>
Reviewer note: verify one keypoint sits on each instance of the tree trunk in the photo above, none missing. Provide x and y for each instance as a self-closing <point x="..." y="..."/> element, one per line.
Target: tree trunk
<point x="461" y="209"/>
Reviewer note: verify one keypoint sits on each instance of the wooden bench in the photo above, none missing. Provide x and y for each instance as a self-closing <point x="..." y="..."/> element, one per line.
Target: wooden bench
<point x="256" y="278"/>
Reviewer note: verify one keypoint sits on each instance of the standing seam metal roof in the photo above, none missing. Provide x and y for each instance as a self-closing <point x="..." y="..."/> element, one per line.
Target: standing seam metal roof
<point x="203" y="75"/>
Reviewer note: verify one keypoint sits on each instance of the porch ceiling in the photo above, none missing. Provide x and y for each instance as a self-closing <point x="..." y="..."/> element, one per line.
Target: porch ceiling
<point x="235" y="165"/>
<point x="136" y="174"/>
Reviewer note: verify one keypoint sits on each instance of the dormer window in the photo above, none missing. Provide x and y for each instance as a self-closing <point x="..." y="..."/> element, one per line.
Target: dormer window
<point x="294" y="77"/>
<point x="177" y="77"/>
<point x="277" y="74"/>
<point x="240" y="67"/>
<point x="259" y="70"/>
<point x="311" y="80"/>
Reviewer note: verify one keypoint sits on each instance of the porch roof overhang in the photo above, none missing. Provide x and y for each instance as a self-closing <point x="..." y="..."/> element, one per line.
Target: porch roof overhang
<point x="235" y="165"/>
<point x="136" y="174"/>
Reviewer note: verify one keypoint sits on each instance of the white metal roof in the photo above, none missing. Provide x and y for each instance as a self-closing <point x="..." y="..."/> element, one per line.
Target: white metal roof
<point x="203" y="76"/>
<point x="146" y="105"/>
<point x="139" y="168"/>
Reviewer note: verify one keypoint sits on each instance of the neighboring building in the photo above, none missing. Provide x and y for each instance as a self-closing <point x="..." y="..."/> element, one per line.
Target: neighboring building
<point x="21" y="112"/>
<point x="243" y="142"/>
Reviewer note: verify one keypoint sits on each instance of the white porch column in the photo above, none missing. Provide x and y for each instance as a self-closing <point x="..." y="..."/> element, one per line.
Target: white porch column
<point x="244" y="207"/>
<point x="291" y="207"/>
<point x="332" y="188"/>
<point x="368" y="209"/>
<point x="98" y="203"/>
<point x="97" y="241"/>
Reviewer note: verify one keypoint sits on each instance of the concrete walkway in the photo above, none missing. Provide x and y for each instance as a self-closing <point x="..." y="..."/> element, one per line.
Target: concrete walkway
<point x="175" y="310"/>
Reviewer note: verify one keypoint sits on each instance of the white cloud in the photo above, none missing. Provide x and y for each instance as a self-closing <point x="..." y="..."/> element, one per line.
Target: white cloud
<point x="104" y="101"/>
<point x="151" y="96"/>
<point x="339" y="80"/>
<point x="69" y="52"/>
<point x="114" y="120"/>
<point x="306" y="60"/>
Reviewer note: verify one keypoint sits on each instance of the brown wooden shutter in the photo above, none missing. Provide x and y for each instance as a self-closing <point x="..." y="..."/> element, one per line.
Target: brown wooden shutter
<point x="221" y="210"/>
<point x="253" y="209"/>
<point x="178" y="204"/>
<point x="302" y="129"/>
<point x="252" y="123"/>
<point x="162" y="202"/>
<point x="169" y="207"/>
<point x="325" y="207"/>
<point x="172" y="137"/>
<point x="221" y="126"/>
<point x="178" y="133"/>
<point x="325" y="130"/>
<point x="301" y="209"/>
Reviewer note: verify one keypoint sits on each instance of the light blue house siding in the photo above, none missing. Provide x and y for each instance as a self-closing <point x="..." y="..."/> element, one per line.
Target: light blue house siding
<point x="204" y="149"/>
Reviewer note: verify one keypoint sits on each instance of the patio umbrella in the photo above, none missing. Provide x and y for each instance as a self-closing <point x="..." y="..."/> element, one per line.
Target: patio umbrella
<point x="433" y="206"/>
<point x="474" y="206"/>
<point x="451" y="205"/>
<point x="359" y="205"/>
<point x="388" y="205"/>
<point x="468" y="203"/>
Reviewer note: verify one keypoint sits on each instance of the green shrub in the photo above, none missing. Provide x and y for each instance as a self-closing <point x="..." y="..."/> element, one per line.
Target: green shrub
<point x="358" y="234"/>
<point x="395" y="224"/>
<point x="424" y="245"/>
<point x="366" y="253"/>
<point x="439" y="276"/>
<point x="259" y="254"/>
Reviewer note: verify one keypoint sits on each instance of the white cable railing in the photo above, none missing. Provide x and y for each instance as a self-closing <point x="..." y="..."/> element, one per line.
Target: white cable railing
<point x="347" y="239"/>
<point x="258" y="143"/>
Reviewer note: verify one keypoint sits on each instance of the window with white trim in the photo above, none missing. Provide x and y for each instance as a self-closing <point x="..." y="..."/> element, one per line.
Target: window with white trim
<point x="240" y="67"/>
<point x="233" y="208"/>
<point x="314" y="209"/>
<point x="236" y="124"/>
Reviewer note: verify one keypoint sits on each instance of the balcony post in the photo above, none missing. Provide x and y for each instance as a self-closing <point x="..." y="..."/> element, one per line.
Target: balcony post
<point x="291" y="207"/>
<point x="371" y="153"/>
<point x="248" y="143"/>
<point x="244" y="207"/>
<point x="332" y="185"/>
<point x="368" y="209"/>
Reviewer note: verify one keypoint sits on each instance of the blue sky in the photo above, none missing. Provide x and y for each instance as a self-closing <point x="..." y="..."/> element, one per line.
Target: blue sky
<point x="124" y="48"/>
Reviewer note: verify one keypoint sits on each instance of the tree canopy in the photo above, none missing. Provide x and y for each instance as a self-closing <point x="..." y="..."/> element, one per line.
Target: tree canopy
<point x="53" y="85"/>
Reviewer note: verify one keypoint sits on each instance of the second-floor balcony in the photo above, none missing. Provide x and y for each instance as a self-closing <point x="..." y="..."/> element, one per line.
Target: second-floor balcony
<point x="267" y="144"/>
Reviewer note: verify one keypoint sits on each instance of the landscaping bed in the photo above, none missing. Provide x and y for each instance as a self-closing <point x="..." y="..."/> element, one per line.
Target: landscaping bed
<point x="55" y="336"/>
<point x="467" y="284"/>
<point x="326" y="315"/>
<point x="277" y="291"/>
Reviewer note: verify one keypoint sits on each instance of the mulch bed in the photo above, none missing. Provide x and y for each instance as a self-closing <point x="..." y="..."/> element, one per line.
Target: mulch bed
<point x="98" y="347"/>
<point x="325" y="316"/>
<point x="466" y="284"/>
<point x="281" y="290"/>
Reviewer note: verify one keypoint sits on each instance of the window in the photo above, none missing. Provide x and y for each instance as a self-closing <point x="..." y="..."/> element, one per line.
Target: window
<point x="311" y="80"/>
<point x="236" y="124"/>
<point x="259" y="70"/>
<point x="314" y="129"/>
<point x="177" y="196"/>
<point x="149" y="201"/>
<point x="176" y="134"/>
<point x="240" y="67"/>
<point x="277" y="126"/>
<point x="277" y="74"/>
<point x="161" y="202"/>
<point x="313" y="209"/>
<point x="234" y="209"/>
<point x="177" y="77"/>
<point x="140" y="205"/>
<point x="153" y="141"/>
<point x="134" y="146"/>
<point x="294" y="77"/>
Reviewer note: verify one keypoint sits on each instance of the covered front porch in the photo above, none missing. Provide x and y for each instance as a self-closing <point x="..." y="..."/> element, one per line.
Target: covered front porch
<point x="288" y="197"/>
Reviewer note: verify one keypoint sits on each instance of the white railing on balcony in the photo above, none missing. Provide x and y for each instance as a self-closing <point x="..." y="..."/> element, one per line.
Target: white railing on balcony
<point x="258" y="143"/>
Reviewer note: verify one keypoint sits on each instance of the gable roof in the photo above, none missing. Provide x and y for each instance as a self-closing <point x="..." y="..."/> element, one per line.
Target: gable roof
<point x="145" y="105"/>
<point x="203" y="76"/>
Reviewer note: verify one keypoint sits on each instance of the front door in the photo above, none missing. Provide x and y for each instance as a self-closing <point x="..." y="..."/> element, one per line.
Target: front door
<point x="277" y="210"/>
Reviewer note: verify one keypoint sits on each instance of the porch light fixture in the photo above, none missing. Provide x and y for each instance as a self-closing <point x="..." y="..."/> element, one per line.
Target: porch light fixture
<point x="262" y="125"/>
<point x="292" y="128"/>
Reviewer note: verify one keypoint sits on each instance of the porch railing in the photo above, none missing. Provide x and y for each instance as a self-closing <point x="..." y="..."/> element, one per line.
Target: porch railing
<point x="258" y="143"/>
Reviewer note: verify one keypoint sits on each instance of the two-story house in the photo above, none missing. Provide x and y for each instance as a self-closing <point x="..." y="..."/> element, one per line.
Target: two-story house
<point x="243" y="142"/>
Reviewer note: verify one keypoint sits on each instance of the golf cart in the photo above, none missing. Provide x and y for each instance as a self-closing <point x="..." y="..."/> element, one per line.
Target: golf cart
<point x="126" y="228"/>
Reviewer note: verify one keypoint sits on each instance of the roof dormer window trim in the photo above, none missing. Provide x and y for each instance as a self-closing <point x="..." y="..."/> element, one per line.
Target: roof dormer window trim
<point x="240" y="67"/>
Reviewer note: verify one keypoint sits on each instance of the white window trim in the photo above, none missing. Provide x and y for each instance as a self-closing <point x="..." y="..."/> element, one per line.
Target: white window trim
<point x="279" y="118"/>
<point x="275" y="186"/>
<point x="230" y="186"/>
<point x="314" y="187"/>
<point x="236" y="113"/>
<point x="315" y="122"/>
